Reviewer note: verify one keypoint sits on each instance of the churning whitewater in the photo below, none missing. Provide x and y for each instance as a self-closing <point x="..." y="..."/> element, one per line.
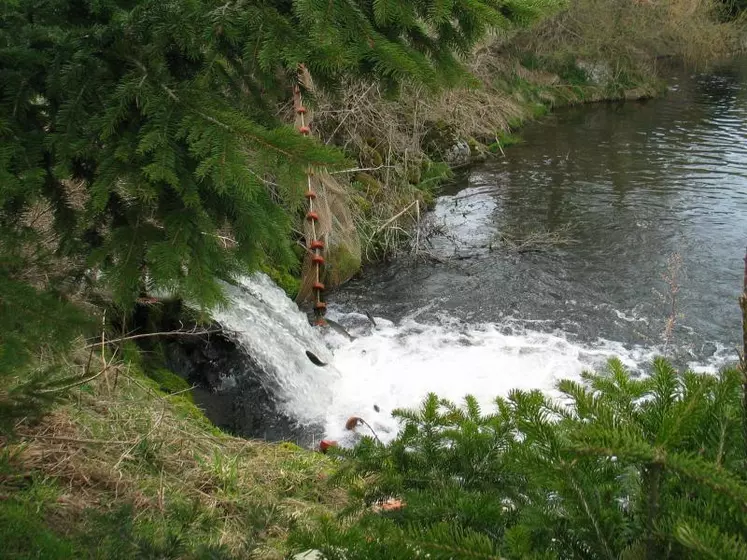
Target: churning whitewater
<point x="388" y="366"/>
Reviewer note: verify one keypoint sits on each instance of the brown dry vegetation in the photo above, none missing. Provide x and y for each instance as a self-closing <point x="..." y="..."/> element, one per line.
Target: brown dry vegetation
<point x="591" y="50"/>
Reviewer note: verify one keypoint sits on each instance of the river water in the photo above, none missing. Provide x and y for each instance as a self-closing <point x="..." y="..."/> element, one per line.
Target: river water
<point x="634" y="193"/>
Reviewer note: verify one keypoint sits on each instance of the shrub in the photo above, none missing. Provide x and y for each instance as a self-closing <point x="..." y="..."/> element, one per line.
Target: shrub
<point x="618" y="467"/>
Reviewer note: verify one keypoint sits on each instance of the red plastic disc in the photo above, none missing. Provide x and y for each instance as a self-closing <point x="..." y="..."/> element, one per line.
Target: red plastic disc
<point x="326" y="444"/>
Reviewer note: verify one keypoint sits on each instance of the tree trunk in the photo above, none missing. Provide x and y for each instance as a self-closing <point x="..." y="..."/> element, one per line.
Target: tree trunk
<point x="652" y="485"/>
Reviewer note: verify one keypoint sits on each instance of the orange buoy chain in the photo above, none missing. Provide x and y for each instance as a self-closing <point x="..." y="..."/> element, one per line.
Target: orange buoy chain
<point x="315" y="246"/>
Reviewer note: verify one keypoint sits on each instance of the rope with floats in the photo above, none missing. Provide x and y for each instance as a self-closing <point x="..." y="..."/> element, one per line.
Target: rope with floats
<point x="314" y="246"/>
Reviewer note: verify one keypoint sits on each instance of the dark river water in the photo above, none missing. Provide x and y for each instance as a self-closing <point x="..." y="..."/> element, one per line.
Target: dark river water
<point x="633" y="188"/>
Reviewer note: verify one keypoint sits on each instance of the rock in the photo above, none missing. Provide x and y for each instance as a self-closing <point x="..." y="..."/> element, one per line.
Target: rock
<point x="598" y="73"/>
<point x="442" y="143"/>
<point x="229" y="386"/>
<point x="458" y="154"/>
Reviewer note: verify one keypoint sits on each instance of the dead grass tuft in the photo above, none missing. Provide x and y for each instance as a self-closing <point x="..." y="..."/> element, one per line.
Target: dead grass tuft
<point x="536" y="240"/>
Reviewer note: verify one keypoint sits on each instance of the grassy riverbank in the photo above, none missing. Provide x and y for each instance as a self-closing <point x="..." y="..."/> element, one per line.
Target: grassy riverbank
<point x="123" y="469"/>
<point x="124" y="465"/>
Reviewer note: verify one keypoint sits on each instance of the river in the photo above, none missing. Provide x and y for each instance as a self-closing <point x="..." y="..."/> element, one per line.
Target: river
<point x="623" y="202"/>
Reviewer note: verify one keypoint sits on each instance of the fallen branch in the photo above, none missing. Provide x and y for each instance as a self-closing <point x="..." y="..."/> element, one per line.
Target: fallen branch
<point x="393" y="218"/>
<point x="165" y="333"/>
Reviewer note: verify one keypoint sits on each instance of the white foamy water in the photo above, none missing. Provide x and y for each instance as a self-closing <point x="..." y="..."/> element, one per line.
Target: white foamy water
<point x="269" y="327"/>
<point x="466" y="218"/>
<point x="396" y="366"/>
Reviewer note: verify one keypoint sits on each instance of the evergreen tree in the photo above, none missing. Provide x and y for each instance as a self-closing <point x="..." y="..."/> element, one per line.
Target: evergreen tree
<point x="146" y="132"/>
<point x="628" y="468"/>
<point x="162" y="115"/>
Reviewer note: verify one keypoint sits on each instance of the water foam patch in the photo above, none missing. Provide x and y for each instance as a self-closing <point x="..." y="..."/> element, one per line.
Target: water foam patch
<point x="396" y="366"/>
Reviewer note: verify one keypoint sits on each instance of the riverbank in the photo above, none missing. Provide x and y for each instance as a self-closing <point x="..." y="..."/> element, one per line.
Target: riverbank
<point x="128" y="467"/>
<point x="589" y="51"/>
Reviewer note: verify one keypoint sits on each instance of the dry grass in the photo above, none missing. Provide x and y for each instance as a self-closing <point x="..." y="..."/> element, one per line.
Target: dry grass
<point x="672" y="277"/>
<point x="392" y="138"/>
<point x="631" y="34"/>
<point x="536" y="240"/>
<point x="396" y="177"/>
<point x="120" y="440"/>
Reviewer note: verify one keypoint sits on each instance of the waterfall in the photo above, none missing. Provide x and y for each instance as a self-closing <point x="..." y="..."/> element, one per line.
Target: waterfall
<point x="393" y="365"/>
<point x="275" y="334"/>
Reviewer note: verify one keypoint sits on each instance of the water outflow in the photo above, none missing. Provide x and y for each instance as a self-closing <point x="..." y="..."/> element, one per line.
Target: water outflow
<point x="396" y="365"/>
<point x="628" y="185"/>
<point x="387" y="365"/>
<point x="275" y="335"/>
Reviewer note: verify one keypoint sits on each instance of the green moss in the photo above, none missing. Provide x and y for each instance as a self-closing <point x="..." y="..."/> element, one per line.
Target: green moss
<point x="433" y="174"/>
<point x="169" y="382"/>
<point x="539" y="110"/>
<point x="369" y="183"/>
<point x="289" y="283"/>
<point x="504" y="139"/>
<point x="342" y="264"/>
<point x="439" y="137"/>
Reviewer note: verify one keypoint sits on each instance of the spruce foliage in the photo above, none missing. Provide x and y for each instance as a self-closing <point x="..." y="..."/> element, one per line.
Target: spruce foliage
<point x="162" y="116"/>
<point x="619" y="467"/>
<point x="141" y="148"/>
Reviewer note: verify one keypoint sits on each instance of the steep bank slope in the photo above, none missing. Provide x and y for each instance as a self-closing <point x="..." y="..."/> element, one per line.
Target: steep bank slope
<point x="128" y="467"/>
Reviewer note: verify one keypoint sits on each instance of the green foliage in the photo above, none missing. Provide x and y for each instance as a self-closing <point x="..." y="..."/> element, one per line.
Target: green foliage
<point x="151" y="128"/>
<point x="24" y="530"/>
<point x="37" y="327"/>
<point x="27" y="531"/>
<point x="617" y="467"/>
<point x="141" y="148"/>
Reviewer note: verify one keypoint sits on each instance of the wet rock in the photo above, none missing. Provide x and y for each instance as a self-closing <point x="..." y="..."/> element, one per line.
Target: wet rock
<point x="231" y="390"/>
<point x="229" y="386"/>
<point x="458" y="154"/>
